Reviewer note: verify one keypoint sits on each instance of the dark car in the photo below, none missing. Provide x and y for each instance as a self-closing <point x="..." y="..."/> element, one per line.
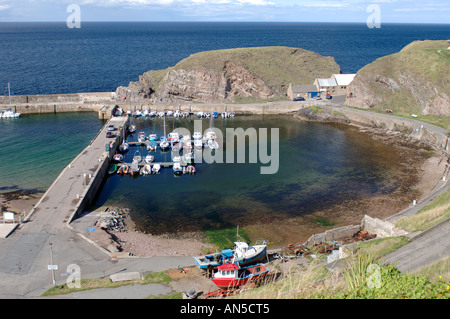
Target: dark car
<point x="328" y="97"/>
<point x="109" y="134"/>
<point x="299" y="99"/>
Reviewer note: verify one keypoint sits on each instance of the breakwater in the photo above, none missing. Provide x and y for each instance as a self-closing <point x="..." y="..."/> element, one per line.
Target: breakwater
<point x="76" y="186"/>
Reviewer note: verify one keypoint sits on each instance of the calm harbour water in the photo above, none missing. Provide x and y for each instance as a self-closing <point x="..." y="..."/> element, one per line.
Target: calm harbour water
<point x="36" y="148"/>
<point x="319" y="166"/>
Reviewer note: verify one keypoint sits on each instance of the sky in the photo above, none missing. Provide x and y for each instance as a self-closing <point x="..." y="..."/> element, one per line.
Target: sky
<point x="386" y="11"/>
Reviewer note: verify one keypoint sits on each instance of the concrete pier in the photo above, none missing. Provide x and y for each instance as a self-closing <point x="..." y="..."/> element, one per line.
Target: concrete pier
<point x="77" y="185"/>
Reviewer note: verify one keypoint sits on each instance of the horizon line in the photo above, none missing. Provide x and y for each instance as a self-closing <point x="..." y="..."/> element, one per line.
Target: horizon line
<point x="225" y="21"/>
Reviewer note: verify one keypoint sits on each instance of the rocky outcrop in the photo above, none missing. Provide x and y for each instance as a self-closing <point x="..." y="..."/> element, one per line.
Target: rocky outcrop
<point x="415" y="80"/>
<point x="234" y="75"/>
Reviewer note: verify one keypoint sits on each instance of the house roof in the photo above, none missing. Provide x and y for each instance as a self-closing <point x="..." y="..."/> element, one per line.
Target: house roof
<point x="303" y="88"/>
<point x="343" y="79"/>
<point x="327" y="82"/>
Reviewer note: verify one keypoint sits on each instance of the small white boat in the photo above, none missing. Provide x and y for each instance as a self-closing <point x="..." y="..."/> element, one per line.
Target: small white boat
<point x="161" y="114"/>
<point x="141" y="137"/>
<point x="123" y="147"/>
<point x="118" y="157"/>
<point x="189" y="158"/>
<point x="164" y="145"/>
<point x="147" y="169"/>
<point x="190" y="169"/>
<point x="137" y="157"/>
<point x="212" y="143"/>
<point x="169" y="113"/>
<point x="197" y="136"/>
<point x="156" y="168"/>
<point x="198" y="144"/>
<point x="186" y="114"/>
<point x="177" y="114"/>
<point x="132" y="128"/>
<point x="200" y="114"/>
<point x="149" y="158"/>
<point x="177" y="169"/>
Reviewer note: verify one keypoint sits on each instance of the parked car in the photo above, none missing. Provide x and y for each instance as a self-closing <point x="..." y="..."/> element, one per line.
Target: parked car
<point x="109" y="134"/>
<point x="299" y="99"/>
<point x="328" y="97"/>
<point x="317" y="97"/>
<point x="111" y="127"/>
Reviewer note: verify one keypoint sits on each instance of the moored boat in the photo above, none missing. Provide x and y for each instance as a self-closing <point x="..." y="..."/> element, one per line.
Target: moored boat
<point x="137" y="157"/>
<point x="149" y="158"/>
<point x="118" y="157"/>
<point x="230" y="275"/>
<point x="147" y="169"/>
<point x="132" y="128"/>
<point x="112" y="169"/>
<point x="156" y="168"/>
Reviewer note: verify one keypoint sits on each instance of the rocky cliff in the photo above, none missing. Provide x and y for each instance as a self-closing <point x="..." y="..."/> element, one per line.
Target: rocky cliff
<point x="415" y="80"/>
<point x="233" y="75"/>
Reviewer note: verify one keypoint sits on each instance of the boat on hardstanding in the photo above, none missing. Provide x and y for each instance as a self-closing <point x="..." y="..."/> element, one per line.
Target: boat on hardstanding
<point x="242" y="255"/>
<point x="230" y="275"/>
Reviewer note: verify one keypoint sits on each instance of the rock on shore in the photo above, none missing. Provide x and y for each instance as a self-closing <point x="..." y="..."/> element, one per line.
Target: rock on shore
<point x="232" y="75"/>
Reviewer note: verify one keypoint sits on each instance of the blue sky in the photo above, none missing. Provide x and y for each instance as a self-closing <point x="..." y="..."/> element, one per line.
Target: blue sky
<point x="391" y="11"/>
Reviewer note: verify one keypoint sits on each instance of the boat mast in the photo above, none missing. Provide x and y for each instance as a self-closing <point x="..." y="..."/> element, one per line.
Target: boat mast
<point x="9" y="93"/>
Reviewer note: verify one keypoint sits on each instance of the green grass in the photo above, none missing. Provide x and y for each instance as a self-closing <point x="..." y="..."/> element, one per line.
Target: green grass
<point x="87" y="284"/>
<point x="430" y="215"/>
<point x="276" y="66"/>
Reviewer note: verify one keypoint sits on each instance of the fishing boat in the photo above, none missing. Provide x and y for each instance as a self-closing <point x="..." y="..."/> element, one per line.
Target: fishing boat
<point x="169" y="113"/>
<point x="118" y="158"/>
<point x="200" y="114"/>
<point x="137" y="157"/>
<point x="177" y="114"/>
<point x="162" y="114"/>
<point x="215" y="115"/>
<point x="149" y="158"/>
<point x="177" y="169"/>
<point x="212" y="143"/>
<point x="123" y="147"/>
<point x="189" y="158"/>
<point x="232" y="115"/>
<point x="134" y="168"/>
<point x="186" y="114"/>
<point x="242" y="255"/>
<point x="141" y="138"/>
<point x="152" y="114"/>
<point x="164" y="145"/>
<point x="153" y="137"/>
<point x="230" y="275"/>
<point x="198" y="144"/>
<point x="147" y="169"/>
<point x="9" y="113"/>
<point x="190" y="169"/>
<point x="156" y="168"/>
<point x="152" y="146"/>
<point x="132" y="128"/>
<point x="197" y="136"/>
<point x="112" y="169"/>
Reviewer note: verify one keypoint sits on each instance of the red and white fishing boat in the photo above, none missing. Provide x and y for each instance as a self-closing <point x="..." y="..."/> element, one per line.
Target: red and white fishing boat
<point x="230" y="275"/>
<point x="118" y="157"/>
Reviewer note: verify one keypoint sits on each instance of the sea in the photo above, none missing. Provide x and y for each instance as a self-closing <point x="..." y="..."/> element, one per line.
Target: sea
<point x="315" y="170"/>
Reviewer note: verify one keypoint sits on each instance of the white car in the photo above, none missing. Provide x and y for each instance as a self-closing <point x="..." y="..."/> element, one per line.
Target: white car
<point x="111" y="127"/>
